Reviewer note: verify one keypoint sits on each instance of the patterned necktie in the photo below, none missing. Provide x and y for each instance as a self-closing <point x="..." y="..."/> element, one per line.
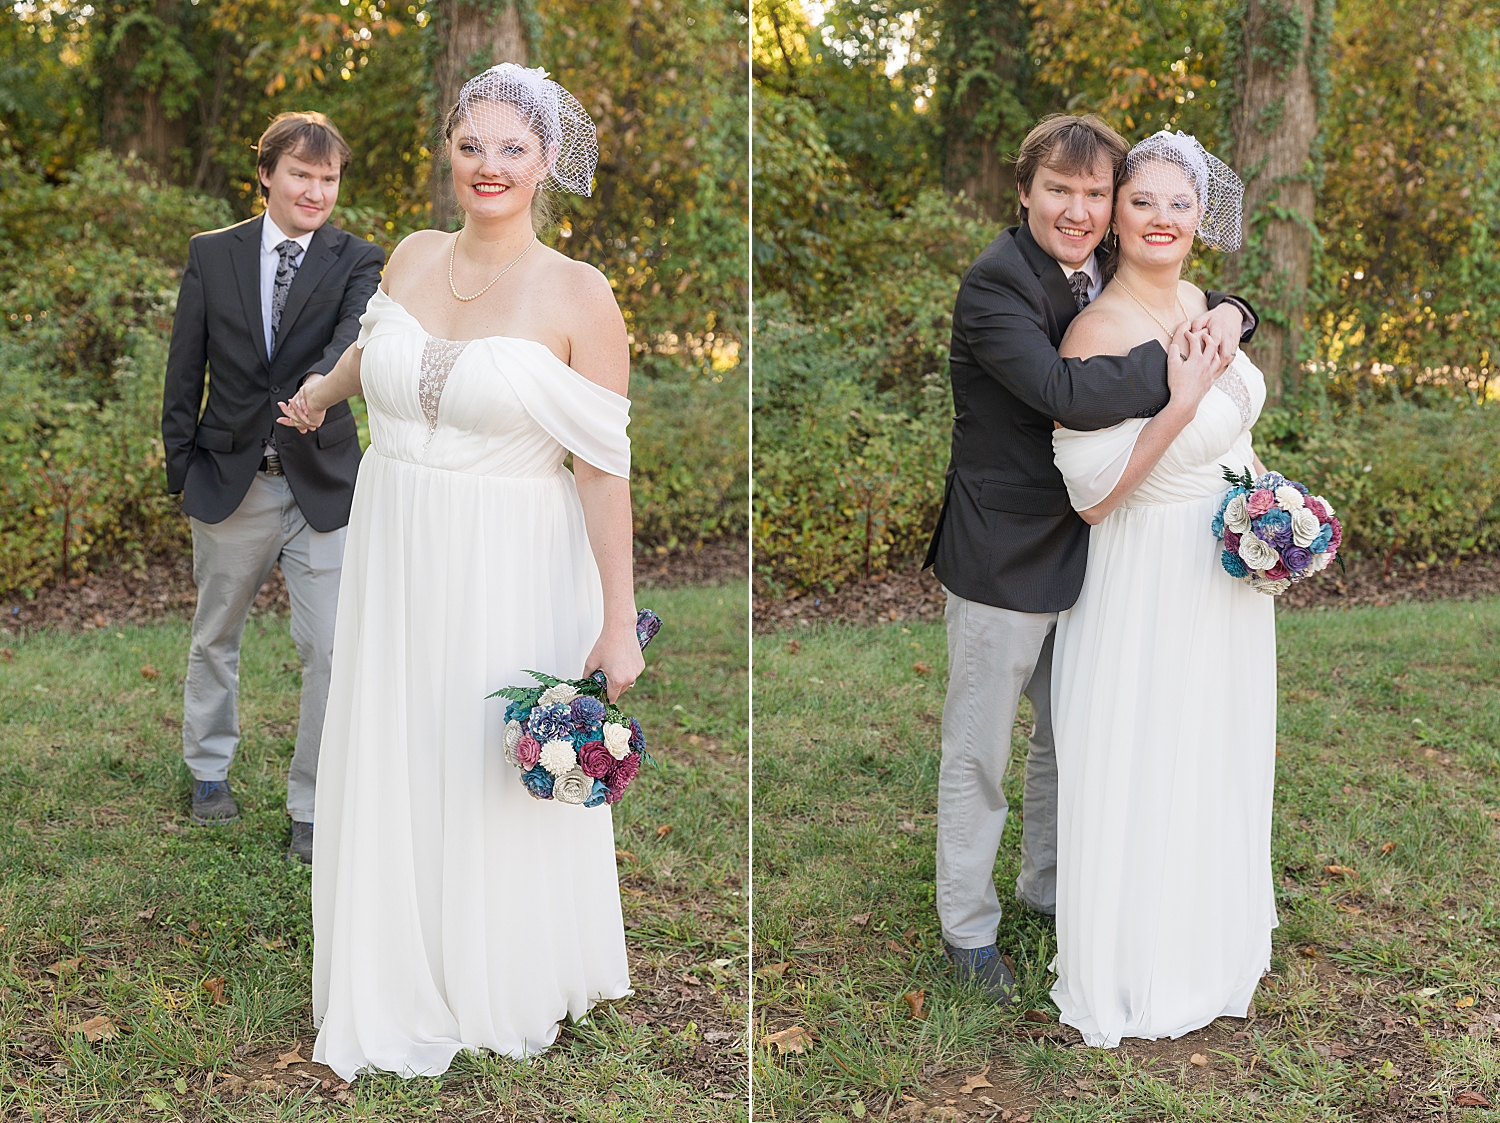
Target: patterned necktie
<point x="1078" y="282"/>
<point x="286" y="269"/>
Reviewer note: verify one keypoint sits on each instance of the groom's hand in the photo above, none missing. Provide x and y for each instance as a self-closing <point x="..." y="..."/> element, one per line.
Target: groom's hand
<point x="1223" y="326"/>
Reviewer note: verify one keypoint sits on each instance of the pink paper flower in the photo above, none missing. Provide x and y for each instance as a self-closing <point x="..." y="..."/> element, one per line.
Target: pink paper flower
<point x="1316" y="508"/>
<point x="623" y="772"/>
<point x="1231" y="541"/>
<point x="528" y="752"/>
<point x="595" y="760"/>
<point x="1337" y="539"/>
<point x="1261" y="500"/>
<point x="1278" y="571"/>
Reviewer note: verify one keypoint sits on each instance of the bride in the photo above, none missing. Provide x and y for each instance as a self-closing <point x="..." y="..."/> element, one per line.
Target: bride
<point x="1164" y="676"/>
<point x="452" y="911"/>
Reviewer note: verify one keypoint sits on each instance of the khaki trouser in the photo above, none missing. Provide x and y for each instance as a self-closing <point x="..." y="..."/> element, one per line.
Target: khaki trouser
<point x="231" y="560"/>
<point x="994" y="656"/>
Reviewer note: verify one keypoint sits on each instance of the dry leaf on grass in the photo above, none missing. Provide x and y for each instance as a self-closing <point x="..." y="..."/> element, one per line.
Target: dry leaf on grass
<point x="793" y="1039"/>
<point x="98" y="1028"/>
<point x="1470" y="1099"/>
<point x="147" y="914"/>
<point x="793" y="646"/>
<point x="1040" y="1016"/>
<point x="894" y="948"/>
<point x="914" y="999"/>
<point x="921" y="668"/>
<point x="148" y="671"/>
<point x="624" y="856"/>
<point x="263" y="1086"/>
<point x="1464" y="1003"/>
<point x="976" y="1081"/>
<point x="1341" y="871"/>
<point x="776" y="970"/>
<point x="1387" y="847"/>
<point x="860" y="920"/>
<point x="664" y="830"/>
<point x="1198" y="1059"/>
<point x="215" y="988"/>
<point x="64" y="966"/>
<point x="1352" y="910"/>
<point x="295" y="1057"/>
<point x="228" y="1084"/>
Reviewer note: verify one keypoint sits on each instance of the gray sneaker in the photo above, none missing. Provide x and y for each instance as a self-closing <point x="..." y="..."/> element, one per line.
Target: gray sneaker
<point x="301" y="842"/>
<point x="986" y="967"/>
<point x="213" y="803"/>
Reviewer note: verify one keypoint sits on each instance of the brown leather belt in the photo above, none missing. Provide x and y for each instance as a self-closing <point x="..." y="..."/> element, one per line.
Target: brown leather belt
<point x="271" y="465"/>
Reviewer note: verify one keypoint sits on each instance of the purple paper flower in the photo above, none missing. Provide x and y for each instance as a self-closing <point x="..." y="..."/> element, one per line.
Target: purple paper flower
<point x="595" y="760"/>
<point x="1231" y="541"/>
<point x="586" y="711"/>
<point x="637" y="738"/>
<point x="1296" y="558"/>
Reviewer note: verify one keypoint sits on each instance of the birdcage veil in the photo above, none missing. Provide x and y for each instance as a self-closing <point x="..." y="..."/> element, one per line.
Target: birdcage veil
<point x="569" y="150"/>
<point x="1220" y="194"/>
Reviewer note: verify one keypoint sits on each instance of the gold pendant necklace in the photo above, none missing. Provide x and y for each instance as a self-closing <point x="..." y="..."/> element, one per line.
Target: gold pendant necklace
<point x="1165" y="330"/>
<point x="453" y="251"/>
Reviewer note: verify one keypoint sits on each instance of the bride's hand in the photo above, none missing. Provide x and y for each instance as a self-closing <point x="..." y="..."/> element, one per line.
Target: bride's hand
<point x="1223" y="326"/>
<point x="300" y="412"/>
<point x="1193" y="363"/>
<point x="618" y="654"/>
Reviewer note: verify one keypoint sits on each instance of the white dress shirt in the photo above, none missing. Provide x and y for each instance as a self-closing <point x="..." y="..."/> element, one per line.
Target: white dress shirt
<point x="271" y="237"/>
<point x="1091" y="267"/>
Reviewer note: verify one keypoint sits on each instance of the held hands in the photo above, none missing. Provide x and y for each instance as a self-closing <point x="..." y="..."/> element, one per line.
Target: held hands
<point x="1223" y="325"/>
<point x="301" y="412"/>
<point x="618" y="654"/>
<point x="1194" y="361"/>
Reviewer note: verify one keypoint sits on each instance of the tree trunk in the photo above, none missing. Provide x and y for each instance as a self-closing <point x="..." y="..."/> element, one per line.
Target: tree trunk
<point x="1274" y="120"/>
<point x="983" y="71"/>
<point x="134" y="118"/>
<point x="473" y="36"/>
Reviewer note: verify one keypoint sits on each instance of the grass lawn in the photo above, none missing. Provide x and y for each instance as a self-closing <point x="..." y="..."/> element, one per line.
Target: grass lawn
<point x="196" y="944"/>
<point x="1384" y="996"/>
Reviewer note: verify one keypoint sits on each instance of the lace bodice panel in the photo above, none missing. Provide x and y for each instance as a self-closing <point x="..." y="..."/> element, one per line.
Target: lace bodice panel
<point x="496" y="406"/>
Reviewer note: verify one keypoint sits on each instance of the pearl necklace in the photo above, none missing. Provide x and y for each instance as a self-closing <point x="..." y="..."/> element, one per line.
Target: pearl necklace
<point x="1165" y="330"/>
<point x="453" y="251"/>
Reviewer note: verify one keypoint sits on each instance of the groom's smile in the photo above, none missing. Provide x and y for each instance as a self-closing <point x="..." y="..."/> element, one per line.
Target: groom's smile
<point x="1068" y="211"/>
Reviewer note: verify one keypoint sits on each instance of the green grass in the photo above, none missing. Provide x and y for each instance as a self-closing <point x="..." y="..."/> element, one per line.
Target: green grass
<point x="1389" y="733"/>
<point x="94" y="833"/>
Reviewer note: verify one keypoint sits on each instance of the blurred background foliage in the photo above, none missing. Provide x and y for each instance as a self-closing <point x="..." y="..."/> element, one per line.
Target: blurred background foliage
<point x="882" y="133"/>
<point x="128" y="125"/>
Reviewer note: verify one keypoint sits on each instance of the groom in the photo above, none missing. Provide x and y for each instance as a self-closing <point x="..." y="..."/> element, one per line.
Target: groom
<point x="1008" y="548"/>
<point x="264" y="304"/>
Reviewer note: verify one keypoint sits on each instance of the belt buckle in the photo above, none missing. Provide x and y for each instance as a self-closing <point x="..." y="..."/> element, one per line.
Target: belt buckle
<point x="270" y="464"/>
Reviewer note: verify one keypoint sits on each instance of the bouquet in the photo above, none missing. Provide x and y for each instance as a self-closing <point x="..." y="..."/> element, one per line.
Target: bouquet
<point x="569" y="740"/>
<point x="1274" y="532"/>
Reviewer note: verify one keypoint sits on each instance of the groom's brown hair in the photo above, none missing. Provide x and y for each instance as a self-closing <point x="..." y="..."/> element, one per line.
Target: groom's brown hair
<point x="1069" y="144"/>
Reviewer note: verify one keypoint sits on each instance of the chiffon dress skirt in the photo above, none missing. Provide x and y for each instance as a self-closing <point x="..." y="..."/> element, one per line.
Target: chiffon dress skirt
<point x="1164" y="714"/>
<point x="451" y="910"/>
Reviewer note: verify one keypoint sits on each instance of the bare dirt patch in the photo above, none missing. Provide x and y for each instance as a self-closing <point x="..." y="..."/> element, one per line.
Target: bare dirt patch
<point x="164" y="589"/>
<point x="906" y="595"/>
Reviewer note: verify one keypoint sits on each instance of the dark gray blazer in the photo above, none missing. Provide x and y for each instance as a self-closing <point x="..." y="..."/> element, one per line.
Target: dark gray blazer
<point x="213" y="459"/>
<point x="1007" y="535"/>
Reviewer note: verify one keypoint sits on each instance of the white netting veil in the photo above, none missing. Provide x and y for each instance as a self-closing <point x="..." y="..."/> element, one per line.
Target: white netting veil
<point x="528" y="127"/>
<point x="1180" y="176"/>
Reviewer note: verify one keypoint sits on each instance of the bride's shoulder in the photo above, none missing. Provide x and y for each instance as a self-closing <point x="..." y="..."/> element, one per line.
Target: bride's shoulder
<point x="1100" y="329"/>
<point x="1192" y="298"/>
<point x="416" y="248"/>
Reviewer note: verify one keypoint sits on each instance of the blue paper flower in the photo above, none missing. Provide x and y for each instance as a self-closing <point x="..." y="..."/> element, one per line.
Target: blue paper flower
<point x="586" y="712"/>
<point x="538" y="782"/>
<point x="1217" y="526"/>
<point x="516" y="711"/>
<point x="598" y="795"/>
<point x="552" y="723"/>
<point x="1325" y="536"/>
<point x="1233" y="564"/>
<point x="637" y="736"/>
<point x="1275" y="528"/>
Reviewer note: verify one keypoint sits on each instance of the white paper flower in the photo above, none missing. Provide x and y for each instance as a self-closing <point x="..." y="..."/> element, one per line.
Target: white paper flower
<point x="1288" y="498"/>
<point x="561" y="693"/>
<point x="558" y="757"/>
<point x="1318" y="563"/>
<point x="512" y="738"/>
<point x="1305" y="527"/>
<point x="1257" y="554"/>
<point x="617" y="739"/>
<point x="1269" y="587"/>
<point x="572" y="787"/>
<point x="1327" y="506"/>
<point x="1236" y="518"/>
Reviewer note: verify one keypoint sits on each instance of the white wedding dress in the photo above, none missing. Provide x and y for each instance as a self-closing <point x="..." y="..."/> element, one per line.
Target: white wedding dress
<point x="451" y="910"/>
<point x="1164" y="714"/>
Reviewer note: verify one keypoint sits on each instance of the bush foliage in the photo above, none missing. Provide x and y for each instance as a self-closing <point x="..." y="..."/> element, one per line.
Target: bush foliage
<point x="88" y="280"/>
